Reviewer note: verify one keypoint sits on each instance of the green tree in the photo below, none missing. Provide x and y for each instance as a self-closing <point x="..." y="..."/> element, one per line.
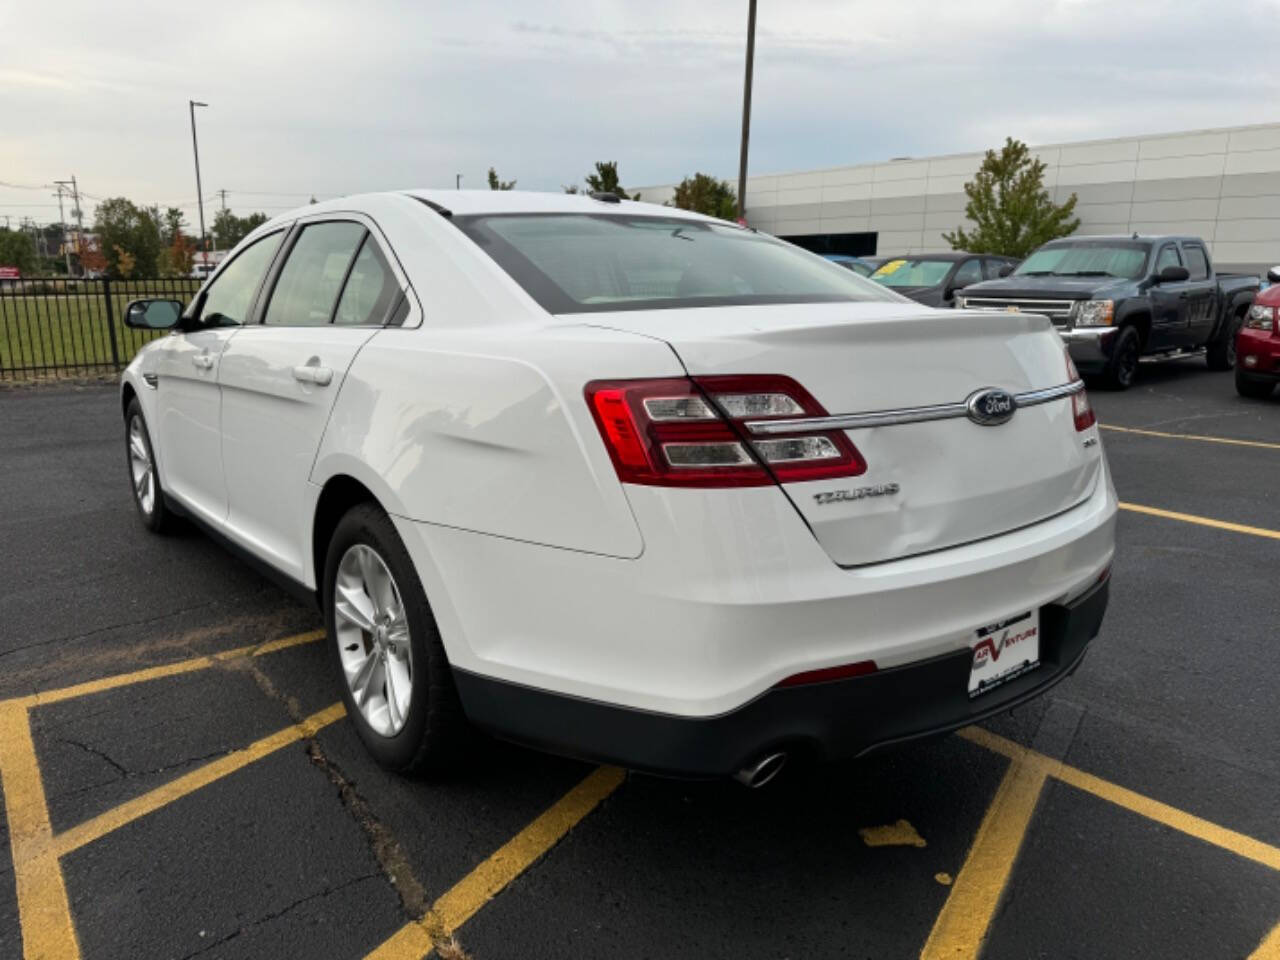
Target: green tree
<point x="123" y="226"/>
<point x="705" y="194"/>
<point x="605" y="180"/>
<point x="1010" y="206"/>
<point x="496" y="184"/>
<point x="174" y="222"/>
<point x="17" y="249"/>
<point x="228" y="229"/>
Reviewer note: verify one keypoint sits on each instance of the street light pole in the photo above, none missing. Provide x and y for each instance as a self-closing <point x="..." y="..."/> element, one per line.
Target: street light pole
<point x="195" y="149"/>
<point x="746" y="112"/>
<point x="457" y="181"/>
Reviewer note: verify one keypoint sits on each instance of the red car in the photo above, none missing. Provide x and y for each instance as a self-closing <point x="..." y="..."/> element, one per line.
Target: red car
<point x="1258" y="343"/>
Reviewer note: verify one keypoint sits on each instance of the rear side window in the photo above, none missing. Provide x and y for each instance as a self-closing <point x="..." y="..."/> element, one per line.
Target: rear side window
<point x="1197" y="261"/>
<point x="308" y="286"/>
<point x="228" y="298"/>
<point x="371" y="288"/>
<point x="582" y="263"/>
<point x="991" y="268"/>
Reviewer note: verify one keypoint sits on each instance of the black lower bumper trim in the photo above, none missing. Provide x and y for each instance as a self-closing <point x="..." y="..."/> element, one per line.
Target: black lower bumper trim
<point x="840" y="718"/>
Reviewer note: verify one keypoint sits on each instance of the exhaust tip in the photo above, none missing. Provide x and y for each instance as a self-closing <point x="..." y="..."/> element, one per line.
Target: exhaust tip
<point x="756" y="775"/>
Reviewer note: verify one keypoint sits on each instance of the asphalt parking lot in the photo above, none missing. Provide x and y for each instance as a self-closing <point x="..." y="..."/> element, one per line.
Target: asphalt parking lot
<point x="178" y="779"/>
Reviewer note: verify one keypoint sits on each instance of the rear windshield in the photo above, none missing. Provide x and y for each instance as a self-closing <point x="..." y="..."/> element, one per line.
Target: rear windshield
<point x="583" y="263"/>
<point x="906" y="272"/>
<point x="1087" y="259"/>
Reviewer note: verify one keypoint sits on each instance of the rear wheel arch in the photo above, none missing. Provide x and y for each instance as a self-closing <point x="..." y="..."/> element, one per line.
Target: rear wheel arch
<point x="341" y="492"/>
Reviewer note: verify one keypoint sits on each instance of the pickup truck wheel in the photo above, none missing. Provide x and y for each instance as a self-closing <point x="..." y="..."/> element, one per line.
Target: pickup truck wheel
<point x="1121" y="369"/>
<point x="1255" y="388"/>
<point x="396" y="682"/>
<point x="1221" y="353"/>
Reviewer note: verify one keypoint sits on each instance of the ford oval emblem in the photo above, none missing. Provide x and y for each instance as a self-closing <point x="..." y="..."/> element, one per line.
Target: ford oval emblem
<point x="991" y="407"/>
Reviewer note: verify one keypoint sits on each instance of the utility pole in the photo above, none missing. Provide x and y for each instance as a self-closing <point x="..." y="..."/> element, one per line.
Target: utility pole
<point x="223" y="195"/>
<point x="79" y="215"/>
<point x="746" y="112"/>
<point x="195" y="150"/>
<point x="62" y="219"/>
<point x="457" y="181"/>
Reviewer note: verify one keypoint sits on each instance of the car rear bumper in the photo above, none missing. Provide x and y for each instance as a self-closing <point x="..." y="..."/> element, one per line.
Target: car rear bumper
<point x="839" y="718"/>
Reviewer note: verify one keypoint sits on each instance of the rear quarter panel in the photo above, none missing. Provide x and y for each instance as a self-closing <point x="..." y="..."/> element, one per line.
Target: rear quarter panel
<point x="487" y="430"/>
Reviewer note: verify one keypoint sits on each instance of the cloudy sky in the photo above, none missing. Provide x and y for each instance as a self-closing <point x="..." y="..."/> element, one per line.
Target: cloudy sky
<point x="328" y="98"/>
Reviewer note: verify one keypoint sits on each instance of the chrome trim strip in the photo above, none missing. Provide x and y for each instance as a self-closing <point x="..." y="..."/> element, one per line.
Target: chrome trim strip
<point x="888" y="418"/>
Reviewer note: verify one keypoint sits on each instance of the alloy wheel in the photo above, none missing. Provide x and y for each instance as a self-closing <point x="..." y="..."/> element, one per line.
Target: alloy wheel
<point x="373" y="639"/>
<point x="141" y="469"/>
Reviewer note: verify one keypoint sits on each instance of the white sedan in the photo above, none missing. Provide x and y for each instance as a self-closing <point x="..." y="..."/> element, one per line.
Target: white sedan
<point x="626" y="482"/>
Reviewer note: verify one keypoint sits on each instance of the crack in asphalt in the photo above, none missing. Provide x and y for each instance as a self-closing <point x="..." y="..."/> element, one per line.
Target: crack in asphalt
<point x="276" y="915"/>
<point x="382" y="842"/>
<point x="125" y="772"/>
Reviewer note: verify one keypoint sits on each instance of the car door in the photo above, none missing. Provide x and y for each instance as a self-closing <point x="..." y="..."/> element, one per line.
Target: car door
<point x="334" y="288"/>
<point x="1168" y="303"/>
<point x="1201" y="296"/>
<point x="188" y="398"/>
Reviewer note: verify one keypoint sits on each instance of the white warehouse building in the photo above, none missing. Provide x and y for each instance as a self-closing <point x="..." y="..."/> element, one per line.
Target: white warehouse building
<point x="1222" y="185"/>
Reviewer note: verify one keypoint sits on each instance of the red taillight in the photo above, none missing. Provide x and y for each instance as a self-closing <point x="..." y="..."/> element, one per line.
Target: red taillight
<point x="1081" y="409"/>
<point x="842" y="672"/>
<point x="683" y="433"/>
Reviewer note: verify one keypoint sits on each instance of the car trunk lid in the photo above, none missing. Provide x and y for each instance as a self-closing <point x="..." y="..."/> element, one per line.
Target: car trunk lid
<point x="930" y="484"/>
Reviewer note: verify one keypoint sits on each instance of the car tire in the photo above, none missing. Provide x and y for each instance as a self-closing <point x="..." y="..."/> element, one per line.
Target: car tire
<point x="1255" y="388"/>
<point x="1122" y="368"/>
<point x="144" y="479"/>
<point x="382" y="636"/>
<point x="1221" y="352"/>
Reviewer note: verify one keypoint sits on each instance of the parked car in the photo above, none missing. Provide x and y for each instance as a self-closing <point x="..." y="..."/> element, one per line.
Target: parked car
<point x="858" y="265"/>
<point x="1118" y="299"/>
<point x="627" y="482"/>
<point x="934" y="278"/>
<point x="1258" y="343"/>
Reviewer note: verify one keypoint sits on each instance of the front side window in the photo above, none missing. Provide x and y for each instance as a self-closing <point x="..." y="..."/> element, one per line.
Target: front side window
<point x="1087" y="258"/>
<point x="229" y="296"/>
<point x="308" y="286"/>
<point x="371" y="288"/>
<point x="1168" y="257"/>
<point x="580" y="263"/>
<point x="913" y="272"/>
<point x="1197" y="262"/>
<point x="970" y="272"/>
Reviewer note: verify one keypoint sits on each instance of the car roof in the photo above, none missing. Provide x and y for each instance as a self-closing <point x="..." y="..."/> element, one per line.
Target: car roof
<point x="468" y="202"/>
<point x="1131" y="237"/>
<point x="947" y="255"/>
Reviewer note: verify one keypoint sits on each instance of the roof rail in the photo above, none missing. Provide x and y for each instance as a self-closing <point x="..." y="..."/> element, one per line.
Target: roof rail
<point x="605" y="196"/>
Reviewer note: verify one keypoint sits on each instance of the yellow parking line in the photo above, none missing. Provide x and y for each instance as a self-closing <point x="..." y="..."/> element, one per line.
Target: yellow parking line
<point x="1192" y="436"/>
<point x="153" y="800"/>
<point x="166" y="670"/>
<point x="486" y="881"/>
<point x="961" y="927"/>
<point x="1238" y="843"/>
<point x="1269" y="948"/>
<point x="1202" y="521"/>
<point x="43" y="911"/>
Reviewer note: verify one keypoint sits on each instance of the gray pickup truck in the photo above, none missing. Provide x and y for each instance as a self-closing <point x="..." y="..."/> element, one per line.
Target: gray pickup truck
<point x="1117" y="300"/>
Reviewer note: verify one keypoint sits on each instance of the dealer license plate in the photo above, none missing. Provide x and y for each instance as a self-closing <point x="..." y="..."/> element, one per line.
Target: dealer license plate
<point x="1003" y="651"/>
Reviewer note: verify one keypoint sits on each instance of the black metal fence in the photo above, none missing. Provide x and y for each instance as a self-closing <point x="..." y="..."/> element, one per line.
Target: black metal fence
<point x="54" y="327"/>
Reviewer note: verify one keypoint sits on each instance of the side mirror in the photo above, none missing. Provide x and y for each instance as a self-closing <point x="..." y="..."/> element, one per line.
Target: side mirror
<point x="153" y="314"/>
<point x="1274" y="274"/>
<point x="1007" y="269"/>
<point x="1172" y="274"/>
